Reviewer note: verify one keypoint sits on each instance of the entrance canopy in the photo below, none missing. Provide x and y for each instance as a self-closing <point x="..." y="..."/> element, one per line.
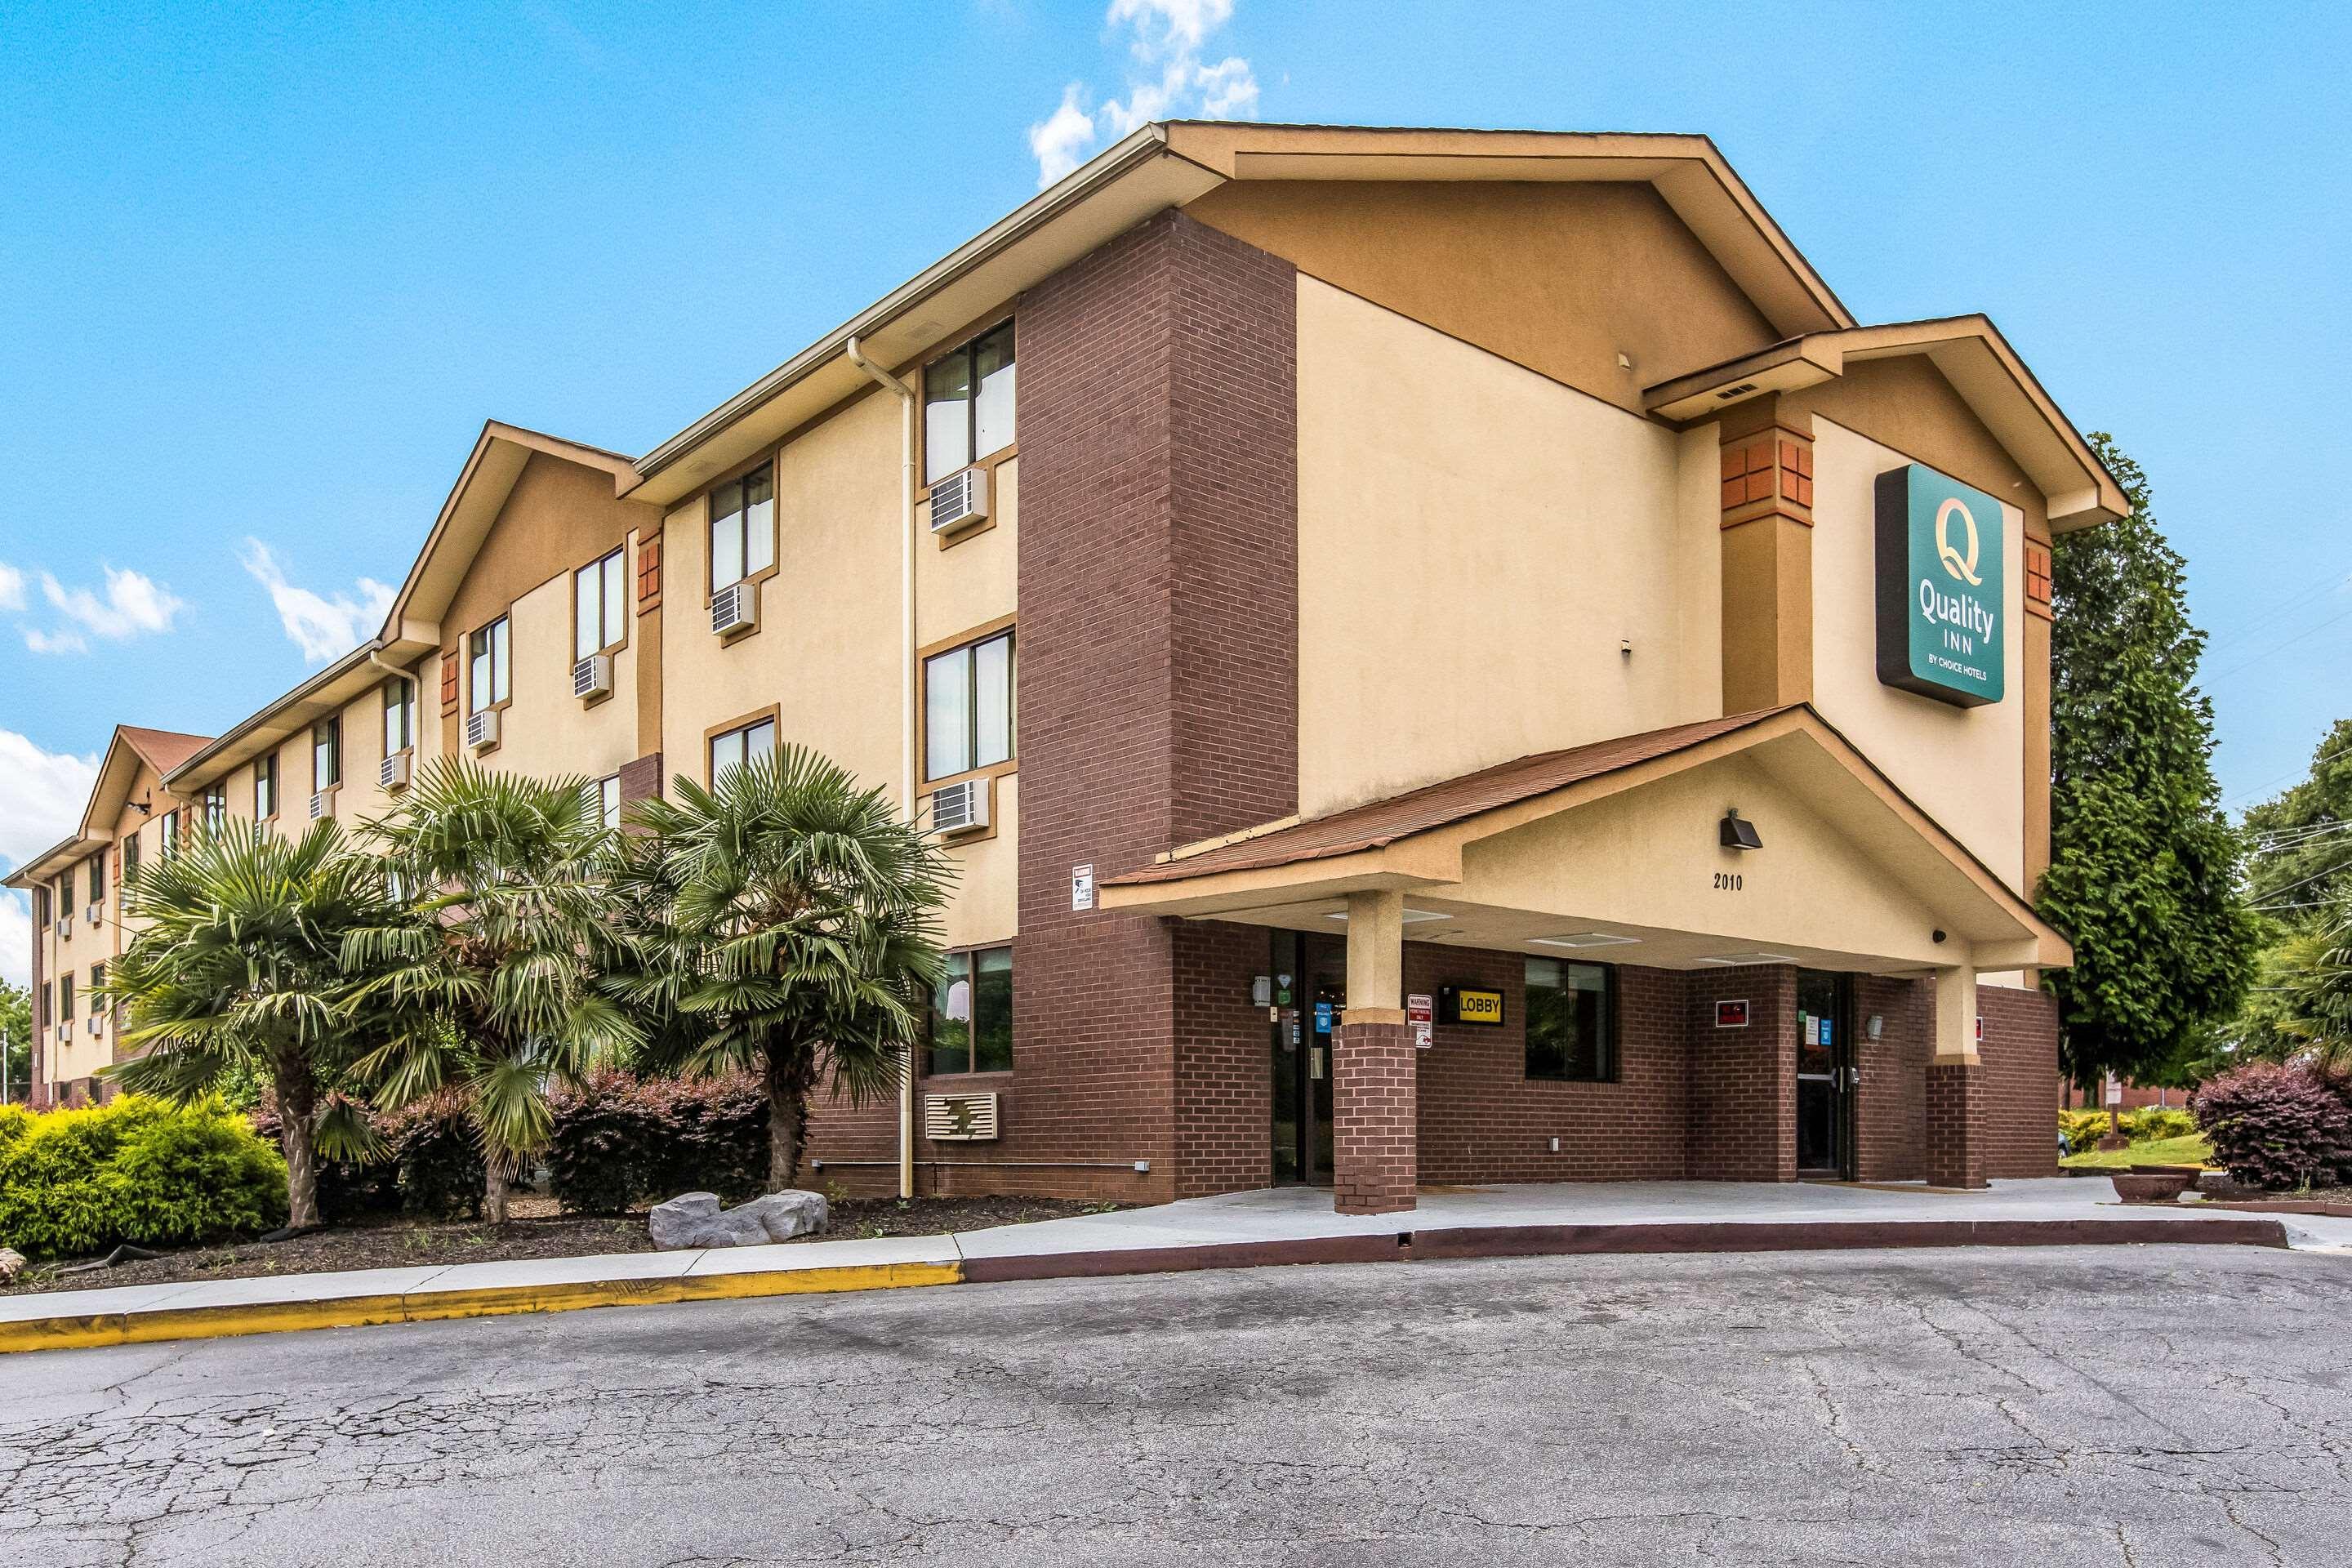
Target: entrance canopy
<point x="1622" y="850"/>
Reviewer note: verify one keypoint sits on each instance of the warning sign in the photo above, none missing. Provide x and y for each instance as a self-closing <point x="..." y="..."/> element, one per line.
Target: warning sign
<point x="1421" y="1011"/>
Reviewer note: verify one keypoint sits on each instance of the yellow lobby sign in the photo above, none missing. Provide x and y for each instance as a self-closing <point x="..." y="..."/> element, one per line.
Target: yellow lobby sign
<point x="1465" y="1006"/>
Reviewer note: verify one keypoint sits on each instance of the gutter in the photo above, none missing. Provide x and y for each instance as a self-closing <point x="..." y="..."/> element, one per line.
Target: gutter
<point x="253" y="720"/>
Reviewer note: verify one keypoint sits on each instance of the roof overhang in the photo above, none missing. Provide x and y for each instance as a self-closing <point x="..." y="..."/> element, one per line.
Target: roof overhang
<point x="1167" y="165"/>
<point x="50" y="861"/>
<point x="321" y="694"/>
<point x="1262" y="877"/>
<point x="1971" y="354"/>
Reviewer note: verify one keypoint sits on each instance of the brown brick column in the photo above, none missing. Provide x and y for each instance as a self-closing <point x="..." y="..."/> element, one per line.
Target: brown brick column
<point x="1954" y="1112"/>
<point x="1375" y="1119"/>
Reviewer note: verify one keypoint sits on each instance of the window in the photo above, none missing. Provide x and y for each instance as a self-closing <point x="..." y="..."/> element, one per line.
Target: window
<point x="47" y="1003"/>
<point x="215" y="807"/>
<point x="605" y="800"/>
<point x="265" y="787"/>
<point x="327" y="753"/>
<point x="98" y="879"/>
<point x="968" y="707"/>
<point x="599" y="606"/>
<point x="968" y="404"/>
<point x="168" y="833"/>
<point x="65" y="999"/>
<point x="971" y="1013"/>
<point x="742" y="527"/>
<point x="731" y="750"/>
<point x="489" y="664"/>
<point x="399" y="714"/>
<point x="41" y="905"/>
<point x="97" y="979"/>
<point x="1572" y="1016"/>
<point x="131" y="854"/>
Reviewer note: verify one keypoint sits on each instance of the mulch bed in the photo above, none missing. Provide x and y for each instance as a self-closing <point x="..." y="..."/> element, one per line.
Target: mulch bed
<point x="536" y="1231"/>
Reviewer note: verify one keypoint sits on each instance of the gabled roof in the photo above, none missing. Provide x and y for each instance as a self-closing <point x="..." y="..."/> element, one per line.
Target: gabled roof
<point x="162" y="749"/>
<point x="130" y="745"/>
<point x="1973" y="356"/>
<point x="1172" y="163"/>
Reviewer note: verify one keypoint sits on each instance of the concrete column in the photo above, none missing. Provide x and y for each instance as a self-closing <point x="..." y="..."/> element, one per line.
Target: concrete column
<point x="1375" y="1110"/>
<point x="1955" y="1085"/>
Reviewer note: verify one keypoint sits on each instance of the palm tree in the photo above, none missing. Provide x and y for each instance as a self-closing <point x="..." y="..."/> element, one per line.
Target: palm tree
<point x="488" y="973"/>
<point x="788" y="926"/>
<point x="239" y="966"/>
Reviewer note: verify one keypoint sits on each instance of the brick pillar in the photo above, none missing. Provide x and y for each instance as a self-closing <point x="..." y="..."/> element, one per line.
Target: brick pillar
<point x="1375" y="1119"/>
<point x="1956" y="1155"/>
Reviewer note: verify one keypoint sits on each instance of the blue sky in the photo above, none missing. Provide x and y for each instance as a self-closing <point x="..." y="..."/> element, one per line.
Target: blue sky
<point x="269" y="267"/>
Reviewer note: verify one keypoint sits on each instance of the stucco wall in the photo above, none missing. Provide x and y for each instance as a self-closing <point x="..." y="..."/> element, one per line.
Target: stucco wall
<point x="1960" y="764"/>
<point x="1475" y="542"/>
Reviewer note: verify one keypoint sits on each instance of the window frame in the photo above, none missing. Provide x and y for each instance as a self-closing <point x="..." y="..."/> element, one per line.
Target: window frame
<point x="215" y="807"/>
<point x="770" y="715"/>
<point x="932" y="1017"/>
<point x="94" y="878"/>
<point x="130" y="852"/>
<point x="768" y="464"/>
<point x="612" y="570"/>
<point x="66" y="999"/>
<point x="327" y="733"/>
<point x="405" y="705"/>
<point x="1611" y="1064"/>
<point x="1006" y="629"/>
<point x="968" y="352"/>
<point x="501" y="659"/>
<point x="266" y="766"/>
<point x="42" y="916"/>
<point x="167" y="833"/>
<point x="608" y="801"/>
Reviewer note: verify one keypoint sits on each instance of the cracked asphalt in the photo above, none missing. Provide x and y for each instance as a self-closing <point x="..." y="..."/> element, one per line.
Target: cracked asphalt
<point x="2145" y="1407"/>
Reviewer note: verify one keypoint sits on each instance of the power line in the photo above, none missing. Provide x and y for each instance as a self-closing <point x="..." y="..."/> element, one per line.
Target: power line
<point x="2316" y="764"/>
<point x="2212" y="681"/>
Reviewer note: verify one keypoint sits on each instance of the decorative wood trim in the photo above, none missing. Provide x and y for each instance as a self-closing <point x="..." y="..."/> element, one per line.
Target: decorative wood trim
<point x="773" y="712"/>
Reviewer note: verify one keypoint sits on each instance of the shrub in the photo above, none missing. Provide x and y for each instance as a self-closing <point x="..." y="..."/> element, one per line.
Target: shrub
<point x="429" y="1167"/>
<point x="2153" y="1123"/>
<point x="136" y="1170"/>
<point x="620" y="1140"/>
<point x="2082" y="1129"/>
<point x="2275" y="1125"/>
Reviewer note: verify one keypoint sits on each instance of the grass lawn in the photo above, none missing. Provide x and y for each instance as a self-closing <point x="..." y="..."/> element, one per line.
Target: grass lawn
<point x="2190" y="1151"/>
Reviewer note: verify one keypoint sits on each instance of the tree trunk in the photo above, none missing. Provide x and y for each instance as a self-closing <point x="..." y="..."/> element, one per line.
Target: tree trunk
<point x="494" y="1190"/>
<point x="788" y="1086"/>
<point x="297" y="1111"/>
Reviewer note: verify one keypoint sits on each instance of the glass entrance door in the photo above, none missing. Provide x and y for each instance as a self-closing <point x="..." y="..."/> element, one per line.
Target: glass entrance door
<point x="1306" y="1018"/>
<point x="1824" y="1050"/>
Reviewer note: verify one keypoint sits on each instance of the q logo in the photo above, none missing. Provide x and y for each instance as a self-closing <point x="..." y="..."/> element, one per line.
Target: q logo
<point x="1959" y="565"/>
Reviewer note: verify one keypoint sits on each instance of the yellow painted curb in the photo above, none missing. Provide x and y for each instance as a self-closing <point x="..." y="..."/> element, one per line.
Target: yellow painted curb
<point x="429" y="1306"/>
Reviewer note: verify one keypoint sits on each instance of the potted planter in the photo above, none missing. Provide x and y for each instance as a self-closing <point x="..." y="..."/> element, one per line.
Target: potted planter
<point x="2148" y="1185"/>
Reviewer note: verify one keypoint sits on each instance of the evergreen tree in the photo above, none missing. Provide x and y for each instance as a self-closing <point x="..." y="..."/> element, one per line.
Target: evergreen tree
<point x="2300" y="864"/>
<point x="2144" y="866"/>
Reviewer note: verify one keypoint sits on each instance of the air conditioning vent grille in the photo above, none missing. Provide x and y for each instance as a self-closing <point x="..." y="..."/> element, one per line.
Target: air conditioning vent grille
<point x="959" y="1118"/>
<point x="735" y="608"/>
<point x="393" y="773"/>
<point x="318" y="805"/>
<point x="960" y="501"/>
<point x="482" y="729"/>
<point x="960" y="807"/>
<point x="592" y="676"/>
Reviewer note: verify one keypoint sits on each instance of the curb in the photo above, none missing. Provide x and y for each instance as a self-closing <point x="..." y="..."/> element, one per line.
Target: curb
<point x="74" y="1333"/>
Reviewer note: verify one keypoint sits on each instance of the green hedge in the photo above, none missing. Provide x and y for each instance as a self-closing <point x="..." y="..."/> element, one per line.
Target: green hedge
<point x="431" y="1167"/>
<point x="621" y="1141"/>
<point x="79" y="1182"/>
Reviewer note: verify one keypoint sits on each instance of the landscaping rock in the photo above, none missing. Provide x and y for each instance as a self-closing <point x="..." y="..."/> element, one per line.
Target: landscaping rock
<point x="12" y="1265"/>
<point x="695" y="1219"/>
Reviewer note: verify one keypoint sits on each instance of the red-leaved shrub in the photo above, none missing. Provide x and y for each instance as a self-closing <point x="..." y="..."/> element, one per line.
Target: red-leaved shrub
<point x="2275" y="1125"/>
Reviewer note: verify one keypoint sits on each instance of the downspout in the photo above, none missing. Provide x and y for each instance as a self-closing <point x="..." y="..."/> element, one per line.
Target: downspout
<point x="906" y="396"/>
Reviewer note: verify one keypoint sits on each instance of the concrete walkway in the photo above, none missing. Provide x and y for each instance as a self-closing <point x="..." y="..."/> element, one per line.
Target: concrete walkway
<point x="1276" y="1226"/>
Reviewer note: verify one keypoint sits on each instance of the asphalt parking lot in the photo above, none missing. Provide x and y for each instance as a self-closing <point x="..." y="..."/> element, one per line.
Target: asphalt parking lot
<point x="2133" y="1406"/>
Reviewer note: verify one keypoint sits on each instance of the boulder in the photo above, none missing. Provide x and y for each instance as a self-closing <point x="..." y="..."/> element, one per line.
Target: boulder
<point x="12" y="1265"/>
<point x="695" y="1219"/>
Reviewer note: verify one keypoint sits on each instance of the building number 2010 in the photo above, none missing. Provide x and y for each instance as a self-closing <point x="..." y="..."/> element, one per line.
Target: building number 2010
<point x="1728" y="881"/>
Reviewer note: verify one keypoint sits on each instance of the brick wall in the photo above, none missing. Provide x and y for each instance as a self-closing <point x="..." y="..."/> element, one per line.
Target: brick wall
<point x="1374" y="1118"/>
<point x="1743" y="1082"/>
<point x="1484" y="1120"/>
<point x="1955" y="1143"/>
<point x="2020" y="1081"/>
<point x="1223" y="1054"/>
<point x="1890" y="1111"/>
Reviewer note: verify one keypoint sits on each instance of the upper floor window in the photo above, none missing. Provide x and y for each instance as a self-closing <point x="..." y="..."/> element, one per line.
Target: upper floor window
<point x="96" y="879"/>
<point x="215" y="807"/>
<point x="327" y="753"/>
<point x="604" y="796"/>
<point x="743" y="527"/>
<point x="968" y="404"/>
<point x="167" y="832"/>
<point x="65" y="998"/>
<point x="265" y="787"/>
<point x="49" y="989"/>
<point x="487" y="651"/>
<point x="1571" y="1020"/>
<point x="968" y="707"/>
<point x="41" y="905"/>
<point x="971" y="1013"/>
<point x="131" y="854"/>
<point x="599" y="606"/>
<point x="399" y="714"/>
<point x="733" y="748"/>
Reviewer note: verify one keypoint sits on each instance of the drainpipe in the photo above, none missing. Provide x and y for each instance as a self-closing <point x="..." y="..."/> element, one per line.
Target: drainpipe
<point x="906" y="396"/>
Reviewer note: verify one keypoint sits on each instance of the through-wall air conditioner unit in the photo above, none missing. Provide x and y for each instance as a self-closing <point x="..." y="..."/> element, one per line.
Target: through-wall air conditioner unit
<point x="65" y="928"/>
<point x="394" y="773"/>
<point x="959" y="1118"/>
<point x="482" y="729"/>
<point x="961" y="807"/>
<point x="735" y="608"/>
<point x="592" y="676"/>
<point x="319" y="801"/>
<point x="92" y="914"/>
<point x="960" y="502"/>
<point x="97" y="1025"/>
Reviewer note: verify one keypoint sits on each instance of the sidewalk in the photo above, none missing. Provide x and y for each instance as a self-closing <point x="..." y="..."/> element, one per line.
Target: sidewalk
<point x="1277" y="1226"/>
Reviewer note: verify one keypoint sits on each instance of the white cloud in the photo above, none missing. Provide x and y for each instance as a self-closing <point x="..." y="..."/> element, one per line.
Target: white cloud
<point x="323" y="628"/>
<point x="134" y="604"/>
<point x="41" y="798"/>
<point x="1167" y="81"/>
<point x="12" y="587"/>
<point x="40" y="641"/>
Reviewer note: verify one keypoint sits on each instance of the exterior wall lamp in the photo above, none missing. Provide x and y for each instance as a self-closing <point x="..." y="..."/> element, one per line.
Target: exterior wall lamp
<point x="1735" y="832"/>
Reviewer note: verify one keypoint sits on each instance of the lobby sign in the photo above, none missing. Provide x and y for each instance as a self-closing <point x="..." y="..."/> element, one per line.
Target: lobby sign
<point x="1940" y="587"/>
<point x="1465" y="1004"/>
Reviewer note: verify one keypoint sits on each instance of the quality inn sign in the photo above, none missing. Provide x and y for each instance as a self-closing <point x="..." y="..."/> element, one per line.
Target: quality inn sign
<point x="1939" y="588"/>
